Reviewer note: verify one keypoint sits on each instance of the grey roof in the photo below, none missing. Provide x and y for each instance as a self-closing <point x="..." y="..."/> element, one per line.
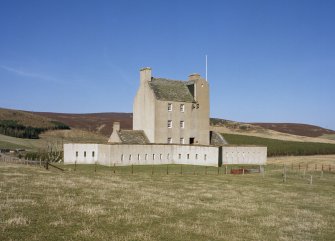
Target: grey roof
<point x="171" y="90"/>
<point x="217" y="139"/>
<point x="133" y="137"/>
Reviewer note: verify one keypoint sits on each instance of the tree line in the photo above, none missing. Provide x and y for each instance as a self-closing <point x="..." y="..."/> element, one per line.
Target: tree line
<point x="282" y="148"/>
<point x="15" y="129"/>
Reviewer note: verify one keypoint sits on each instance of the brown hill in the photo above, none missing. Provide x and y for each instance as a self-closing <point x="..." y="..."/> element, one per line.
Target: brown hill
<point x="296" y="129"/>
<point x="96" y="122"/>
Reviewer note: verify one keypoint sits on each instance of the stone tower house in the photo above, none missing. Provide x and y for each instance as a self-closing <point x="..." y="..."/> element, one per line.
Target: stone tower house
<point x="172" y="111"/>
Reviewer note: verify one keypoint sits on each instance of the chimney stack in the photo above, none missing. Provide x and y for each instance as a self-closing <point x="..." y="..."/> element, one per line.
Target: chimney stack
<point x="116" y="126"/>
<point x="194" y="76"/>
<point x="145" y="74"/>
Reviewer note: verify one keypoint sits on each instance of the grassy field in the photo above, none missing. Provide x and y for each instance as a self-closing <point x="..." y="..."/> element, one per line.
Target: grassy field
<point x="36" y="204"/>
<point x="281" y="148"/>
<point x="54" y="138"/>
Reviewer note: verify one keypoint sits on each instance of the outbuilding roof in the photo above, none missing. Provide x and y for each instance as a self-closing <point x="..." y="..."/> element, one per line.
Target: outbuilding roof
<point x="171" y="90"/>
<point x="133" y="137"/>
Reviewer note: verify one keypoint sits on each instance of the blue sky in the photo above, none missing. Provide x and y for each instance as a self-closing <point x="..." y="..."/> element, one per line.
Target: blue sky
<point x="268" y="61"/>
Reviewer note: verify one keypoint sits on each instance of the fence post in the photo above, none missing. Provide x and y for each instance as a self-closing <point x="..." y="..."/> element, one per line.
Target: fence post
<point x="114" y="168"/>
<point x="243" y="171"/>
<point x="226" y="169"/>
<point x="95" y="166"/>
<point x="167" y="169"/>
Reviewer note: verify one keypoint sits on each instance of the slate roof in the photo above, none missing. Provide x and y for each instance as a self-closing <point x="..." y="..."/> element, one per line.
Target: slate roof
<point x="171" y="90"/>
<point x="133" y="137"/>
<point x="217" y="139"/>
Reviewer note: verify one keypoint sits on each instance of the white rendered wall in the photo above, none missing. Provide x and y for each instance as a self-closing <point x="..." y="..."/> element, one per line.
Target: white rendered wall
<point x="244" y="155"/>
<point x="123" y="155"/>
<point x="71" y="150"/>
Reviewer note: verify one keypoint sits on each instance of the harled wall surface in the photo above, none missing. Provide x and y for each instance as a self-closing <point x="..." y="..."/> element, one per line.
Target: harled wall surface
<point x="123" y="155"/>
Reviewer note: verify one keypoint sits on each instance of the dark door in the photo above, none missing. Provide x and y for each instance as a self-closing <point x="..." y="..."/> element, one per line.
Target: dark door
<point x="192" y="140"/>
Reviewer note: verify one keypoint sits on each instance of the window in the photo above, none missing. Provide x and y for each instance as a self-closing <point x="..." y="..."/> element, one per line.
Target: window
<point x="169" y="107"/>
<point x="179" y="156"/>
<point x="146" y="157"/>
<point x="138" y="157"/>
<point x="160" y="156"/>
<point x="153" y="156"/>
<point x="84" y="153"/>
<point x="181" y="140"/>
<point x="121" y="157"/>
<point x="169" y="123"/>
<point x="168" y="156"/>
<point x="182" y="107"/>
<point x="205" y="157"/>
<point x="196" y="156"/>
<point x="76" y="154"/>
<point x="188" y="156"/>
<point x="92" y="153"/>
<point x="130" y="157"/>
<point x="169" y="140"/>
<point x="182" y="124"/>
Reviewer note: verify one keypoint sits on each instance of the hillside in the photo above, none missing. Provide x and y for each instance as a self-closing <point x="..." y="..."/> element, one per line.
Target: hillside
<point x="101" y="124"/>
<point x="296" y="129"/>
<point x="96" y="122"/>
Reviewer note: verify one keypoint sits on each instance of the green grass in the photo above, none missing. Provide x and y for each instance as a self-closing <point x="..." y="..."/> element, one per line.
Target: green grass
<point x="281" y="148"/>
<point x="36" y="204"/>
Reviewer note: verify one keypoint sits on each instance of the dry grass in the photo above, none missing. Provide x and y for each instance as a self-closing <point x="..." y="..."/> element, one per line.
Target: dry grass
<point x="267" y="133"/>
<point x="85" y="205"/>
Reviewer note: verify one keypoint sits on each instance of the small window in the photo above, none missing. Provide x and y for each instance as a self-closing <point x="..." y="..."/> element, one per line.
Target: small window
<point x="169" y="140"/>
<point x="188" y="156"/>
<point x="205" y="157"/>
<point x="84" y="153"/>
<point x="196" y="156"/>
<point x="169" y="123"/>
<point x="130" y="157"/>
<point x="76" y="154"/>
<point x="168" y="156"/>
<point x="121" y="157"/>
<point x="182" y="108"/>
<point x="169" y="107"/>
<point x="153" y="156"/>
<point x="182" y="124"/>
<point x="146" y="157"/>
<point x="160" y="156"/>
<point x="93" y="153"/>
<point x="179" y="156"/>
<point x="181" y="140"/>
<point x="138" y="157"/>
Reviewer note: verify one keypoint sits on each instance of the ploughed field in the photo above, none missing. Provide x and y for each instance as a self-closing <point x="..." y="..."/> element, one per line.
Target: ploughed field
<point x="168" y="202"/>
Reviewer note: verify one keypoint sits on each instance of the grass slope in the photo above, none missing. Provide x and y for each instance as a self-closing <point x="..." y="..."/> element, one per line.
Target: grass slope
<point x="280" y="148"/>
<point x="54" y="138"/>
<point x="36" y="204"/>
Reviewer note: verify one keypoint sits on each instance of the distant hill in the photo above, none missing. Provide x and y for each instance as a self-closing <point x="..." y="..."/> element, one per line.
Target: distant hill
<point x="96" y="122"/>
<point x="297" y="129"/>
<point x="102" y="123"/>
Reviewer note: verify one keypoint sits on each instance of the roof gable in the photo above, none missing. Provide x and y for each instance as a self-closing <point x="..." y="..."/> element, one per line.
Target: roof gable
<point x="171" y="90"/>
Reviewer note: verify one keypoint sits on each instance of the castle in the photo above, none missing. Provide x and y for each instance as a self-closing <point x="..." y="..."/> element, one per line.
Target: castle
<point x="170" y="126"/>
